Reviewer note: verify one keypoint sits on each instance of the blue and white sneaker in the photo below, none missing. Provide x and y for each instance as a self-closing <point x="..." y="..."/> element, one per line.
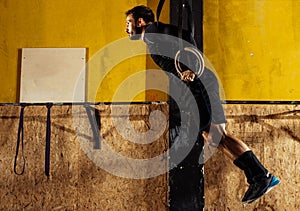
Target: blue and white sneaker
<point x="260" y="186"/>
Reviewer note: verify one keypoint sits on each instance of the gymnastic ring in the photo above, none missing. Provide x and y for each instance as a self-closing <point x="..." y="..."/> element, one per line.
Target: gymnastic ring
<point x="197" y="54"/>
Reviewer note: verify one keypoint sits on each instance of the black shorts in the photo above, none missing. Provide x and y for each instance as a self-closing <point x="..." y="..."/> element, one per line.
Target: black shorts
<point x="199" y="97"/>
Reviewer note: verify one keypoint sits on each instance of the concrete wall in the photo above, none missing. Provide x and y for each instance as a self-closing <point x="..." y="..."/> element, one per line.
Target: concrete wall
<point x="272" y="132"/>
<point x="78" y="182"/>
<point x="95" y="25"/>
<point x="81" y="177"/>
<point x="254" y="46"/>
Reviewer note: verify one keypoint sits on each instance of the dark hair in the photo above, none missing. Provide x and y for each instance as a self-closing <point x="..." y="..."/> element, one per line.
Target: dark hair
<point x="141" y="12"/>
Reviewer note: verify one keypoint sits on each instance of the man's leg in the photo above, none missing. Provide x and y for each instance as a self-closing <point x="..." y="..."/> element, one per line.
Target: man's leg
<point x="257" y="175"/>
<point x="229" y="145"/>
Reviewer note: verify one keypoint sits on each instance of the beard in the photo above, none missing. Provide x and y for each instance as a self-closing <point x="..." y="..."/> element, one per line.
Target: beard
<point x="137" y="34"/>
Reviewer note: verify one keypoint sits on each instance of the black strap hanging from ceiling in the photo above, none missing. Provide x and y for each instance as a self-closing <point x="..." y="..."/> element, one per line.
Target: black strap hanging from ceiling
<point x="182" y="4"/>
<point x="180" y="23"/>
<point x="191" y="26"/>
<point x="158" y="10"/>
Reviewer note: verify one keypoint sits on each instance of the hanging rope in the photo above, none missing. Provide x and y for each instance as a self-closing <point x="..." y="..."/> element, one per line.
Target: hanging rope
<point x="183" y="4"/>
<point x="158" y="10"/>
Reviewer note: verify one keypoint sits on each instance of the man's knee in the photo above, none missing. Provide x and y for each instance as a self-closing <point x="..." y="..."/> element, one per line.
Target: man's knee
<point x="215" y="135"/>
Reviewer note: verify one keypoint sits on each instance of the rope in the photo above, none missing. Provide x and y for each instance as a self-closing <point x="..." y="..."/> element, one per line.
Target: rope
<point x="158" y="10"/>
<point x="191" y="28"/>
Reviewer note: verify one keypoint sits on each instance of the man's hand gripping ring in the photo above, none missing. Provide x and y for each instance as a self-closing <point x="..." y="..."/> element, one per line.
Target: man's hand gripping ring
<point x="198" y="55"/>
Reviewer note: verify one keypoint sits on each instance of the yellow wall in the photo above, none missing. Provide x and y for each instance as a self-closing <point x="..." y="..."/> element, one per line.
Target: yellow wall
<point x="92" y="24"/>
<point x="255" y="47"/>
<point x="254" y="44"/>
<point x="123" y="64"/>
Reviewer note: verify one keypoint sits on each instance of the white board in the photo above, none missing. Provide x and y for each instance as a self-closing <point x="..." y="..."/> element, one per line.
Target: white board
<point x="53" y="75"/>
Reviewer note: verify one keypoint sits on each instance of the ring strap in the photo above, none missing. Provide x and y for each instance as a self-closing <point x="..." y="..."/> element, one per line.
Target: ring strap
<point x="158" y="10"/>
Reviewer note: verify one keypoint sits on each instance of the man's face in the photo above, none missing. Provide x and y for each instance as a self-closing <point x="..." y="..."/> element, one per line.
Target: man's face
<point x="132" y="30"/>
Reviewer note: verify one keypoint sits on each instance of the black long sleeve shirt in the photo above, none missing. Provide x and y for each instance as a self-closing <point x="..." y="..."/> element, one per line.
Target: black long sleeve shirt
<point x="163" y="44"/>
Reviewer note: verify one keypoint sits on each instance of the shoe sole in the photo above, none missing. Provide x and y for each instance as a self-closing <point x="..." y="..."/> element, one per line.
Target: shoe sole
<point x="274" y="182"/>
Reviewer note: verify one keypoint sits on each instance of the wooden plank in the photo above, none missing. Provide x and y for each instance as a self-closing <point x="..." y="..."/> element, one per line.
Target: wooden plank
<point x="52" y="75"/>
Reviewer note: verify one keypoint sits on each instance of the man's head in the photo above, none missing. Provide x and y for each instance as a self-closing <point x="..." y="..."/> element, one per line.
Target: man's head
<point x="136" y="20"/>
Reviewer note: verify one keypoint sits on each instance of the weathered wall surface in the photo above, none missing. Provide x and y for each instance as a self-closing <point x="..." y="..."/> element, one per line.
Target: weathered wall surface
<point x="254" y="47"/>
<point x="272" y="132"/>
<point x="75" y="182"/>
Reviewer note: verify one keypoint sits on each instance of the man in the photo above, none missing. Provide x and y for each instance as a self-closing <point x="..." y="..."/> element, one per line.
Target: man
<point x="140" y="25"/>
